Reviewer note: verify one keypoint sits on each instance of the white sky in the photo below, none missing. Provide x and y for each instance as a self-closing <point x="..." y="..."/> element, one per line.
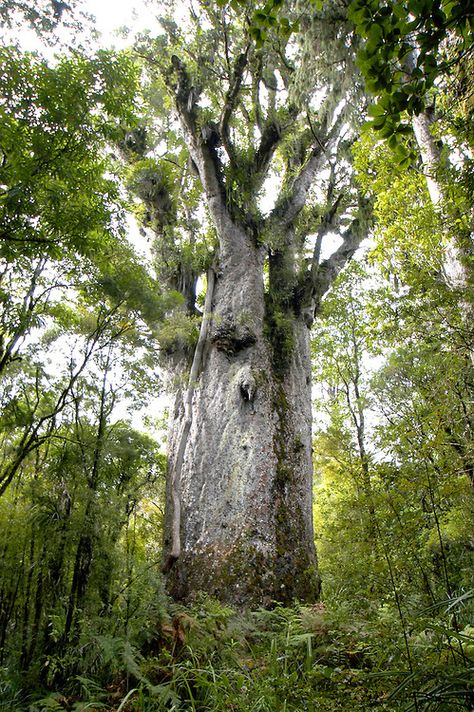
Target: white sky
<point x="111" y="17"/>
<point x="114" y="14"/>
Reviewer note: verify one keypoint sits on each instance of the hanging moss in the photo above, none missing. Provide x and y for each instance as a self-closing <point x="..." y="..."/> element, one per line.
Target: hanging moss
<point x="280" y="308"/>
<point x="288" y="450"/>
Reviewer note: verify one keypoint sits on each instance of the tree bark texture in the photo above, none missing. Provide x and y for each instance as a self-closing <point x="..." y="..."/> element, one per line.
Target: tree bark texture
<point x="245" y="520"/>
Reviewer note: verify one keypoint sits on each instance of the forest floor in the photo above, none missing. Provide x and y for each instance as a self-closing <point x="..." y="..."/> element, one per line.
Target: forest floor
<point x="211" y="658"/>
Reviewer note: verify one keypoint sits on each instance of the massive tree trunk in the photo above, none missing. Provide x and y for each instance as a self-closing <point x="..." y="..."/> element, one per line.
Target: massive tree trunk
<point x="239" y="500"/>
<point x="245" y="479"/>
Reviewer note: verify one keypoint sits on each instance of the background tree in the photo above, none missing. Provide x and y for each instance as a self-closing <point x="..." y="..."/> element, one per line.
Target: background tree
<point x="59" y="228"/>
<point x="76" y="345"/>
<point x="415" y="393"/>
<point x="44" y="16"/>
<point x="388" y="514"/>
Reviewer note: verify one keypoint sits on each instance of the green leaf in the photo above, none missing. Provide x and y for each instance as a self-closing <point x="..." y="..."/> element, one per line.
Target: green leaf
<point x="260" y="17"/>
<point x="392" y="141"/>
<point x="255" y="32"/>
<point x="376" y="110"/>
<point x="399" y="10"/>
<point x="375" y="35"/>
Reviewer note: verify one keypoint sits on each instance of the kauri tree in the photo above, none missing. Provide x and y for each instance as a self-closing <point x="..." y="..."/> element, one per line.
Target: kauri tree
<point x="238" y="520"/>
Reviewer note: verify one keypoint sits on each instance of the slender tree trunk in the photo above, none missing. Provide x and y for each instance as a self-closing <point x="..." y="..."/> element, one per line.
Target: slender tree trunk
<point x="24" y="661"/>
<point x="459" y="248"/>
<point x="80" y="579"/>
<point x="244" y="483"/>
<point x="87" y="539"/>
<point x="38" y="607"/>
<point x="7" y="610"/>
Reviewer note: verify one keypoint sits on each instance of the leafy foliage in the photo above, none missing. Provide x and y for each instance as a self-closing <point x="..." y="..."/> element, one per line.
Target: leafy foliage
<point x="44" y="16"/>
<point x="84" y="621"/>
<point x="54" y="191"/>
<point x="68" y="359"/>
<point x="401" y="58"/>
<point x="211" y="657"/>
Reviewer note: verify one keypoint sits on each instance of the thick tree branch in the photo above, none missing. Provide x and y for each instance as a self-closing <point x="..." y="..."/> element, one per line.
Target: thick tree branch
<point x="230" y="103"/>
<point x="256" y="78"/>
<point x="327" y="223"/>
<point x="288" y="208"/>
<point x="271" y="136"/>
<point x="291" y="204"/>
<point x="200" y="145"/>
<point x="328" y="219"/>
<point x="326" y="273"/>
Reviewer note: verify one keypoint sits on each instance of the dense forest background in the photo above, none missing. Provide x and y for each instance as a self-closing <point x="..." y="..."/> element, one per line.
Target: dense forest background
<point x="89" y="326"/>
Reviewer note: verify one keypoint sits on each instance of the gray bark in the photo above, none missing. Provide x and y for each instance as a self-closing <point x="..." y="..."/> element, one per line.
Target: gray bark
<point x="240" y="486"/>
<point x="245" y="480"/>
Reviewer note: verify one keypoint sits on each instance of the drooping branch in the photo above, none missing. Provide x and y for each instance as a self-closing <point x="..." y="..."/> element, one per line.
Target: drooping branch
<point x="37" y="433"/>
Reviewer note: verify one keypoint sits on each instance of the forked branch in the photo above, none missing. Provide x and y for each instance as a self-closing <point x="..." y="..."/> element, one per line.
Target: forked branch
<point x="324" y="275"/>
<point x="291" y="204"/>
<point x="200" y="143"/>
<point x="231" y="102"/>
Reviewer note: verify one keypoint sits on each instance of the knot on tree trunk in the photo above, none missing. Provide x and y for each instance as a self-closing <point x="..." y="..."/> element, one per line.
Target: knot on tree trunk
<point x="231" y="338"/>
<point x="247" y="384"/>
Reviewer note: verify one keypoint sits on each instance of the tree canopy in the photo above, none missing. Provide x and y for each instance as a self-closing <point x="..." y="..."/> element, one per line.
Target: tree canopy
<point x="301" y="178"/>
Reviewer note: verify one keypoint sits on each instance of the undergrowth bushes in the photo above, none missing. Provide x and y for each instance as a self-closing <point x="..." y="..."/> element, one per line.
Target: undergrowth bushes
<point x="212" y="658"/>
